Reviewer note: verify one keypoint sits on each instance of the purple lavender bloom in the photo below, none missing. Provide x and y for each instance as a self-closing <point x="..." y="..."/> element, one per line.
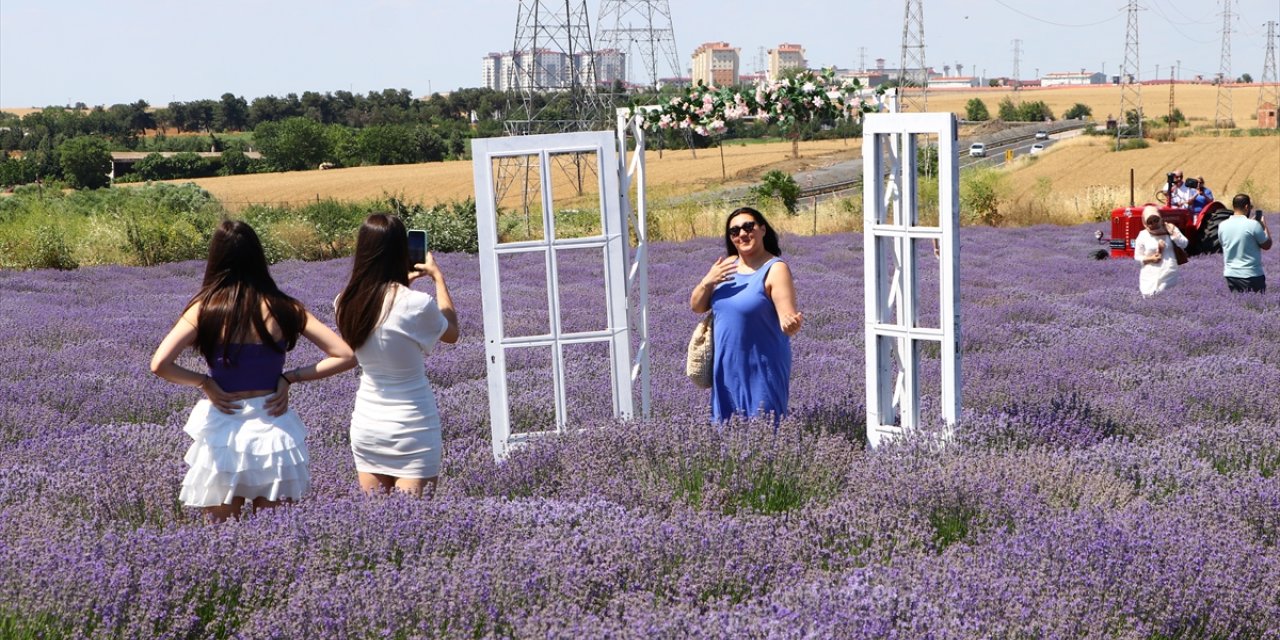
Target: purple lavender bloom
<point x="1115" y="472"/>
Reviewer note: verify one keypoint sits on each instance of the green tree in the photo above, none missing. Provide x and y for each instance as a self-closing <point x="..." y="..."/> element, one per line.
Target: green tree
<point x="232" y="113"/>
<point x="1246" y="78"/>
<point x="1077" y="111"/>
<point x="1007" y="110"/>
<point x="386" y="144"/>
<point x="86" y="161"/>
<point x="1034" y="111"/>
<point x="294" y="144"/>
<point x="976" y="110"/>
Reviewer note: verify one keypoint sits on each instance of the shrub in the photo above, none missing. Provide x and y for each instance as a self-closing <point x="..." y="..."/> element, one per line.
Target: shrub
<point x="776" y="184"/>
<point x="1077" y="111"/>
<point x="976" y="110"/>
<point x="450" y="227"/>
<point x="1125" y="144"/>
<point x="982" y="192"/>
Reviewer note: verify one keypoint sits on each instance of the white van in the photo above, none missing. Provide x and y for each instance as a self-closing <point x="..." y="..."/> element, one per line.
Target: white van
<point x="977" y="150"/>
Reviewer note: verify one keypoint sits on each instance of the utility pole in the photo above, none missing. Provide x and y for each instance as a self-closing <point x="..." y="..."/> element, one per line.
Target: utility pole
<point x="913" y="53"/>
<point x="1270" y="91"/>
<point x="862" y="59"/>
<point x="642" y="26"/>
<point x="1018" y="59"/>
<point x="1222" y="117"/>
<point x="1130" y="83"/>
<point x="552" y="53"/>
<point x="1172" y="124"/>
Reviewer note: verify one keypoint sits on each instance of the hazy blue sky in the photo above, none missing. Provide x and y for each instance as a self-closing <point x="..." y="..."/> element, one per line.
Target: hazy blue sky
<point x="100" y="52"/>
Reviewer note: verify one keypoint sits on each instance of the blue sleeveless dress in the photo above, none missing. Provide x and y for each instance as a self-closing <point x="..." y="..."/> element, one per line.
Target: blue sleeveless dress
<point x="751" y="374"/>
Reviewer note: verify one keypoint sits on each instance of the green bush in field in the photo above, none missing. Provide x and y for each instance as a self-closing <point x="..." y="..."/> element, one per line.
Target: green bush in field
<point x="45" y="228"/>
<point x="982" y="192"/>
<point x="450" y="227"/>
<point x="780" y="185"/>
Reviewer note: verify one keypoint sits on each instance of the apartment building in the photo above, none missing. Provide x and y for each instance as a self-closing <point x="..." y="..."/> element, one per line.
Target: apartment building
<point x="784" y="58"/>
<point x="716" y="64"/>
<point x="547" y="69"/>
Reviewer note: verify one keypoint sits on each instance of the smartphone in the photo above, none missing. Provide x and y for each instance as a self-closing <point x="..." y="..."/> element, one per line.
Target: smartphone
<point x="417" y="246"/>
<point x="1257" y="215"/>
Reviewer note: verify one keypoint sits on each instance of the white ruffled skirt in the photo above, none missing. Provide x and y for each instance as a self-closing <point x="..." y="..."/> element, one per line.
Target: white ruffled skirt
<point x="246" y="454"/>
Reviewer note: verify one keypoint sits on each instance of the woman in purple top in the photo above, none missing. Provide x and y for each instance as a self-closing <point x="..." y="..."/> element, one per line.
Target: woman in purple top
<point x="248" y="445"/>
<point x="752" y="297"/>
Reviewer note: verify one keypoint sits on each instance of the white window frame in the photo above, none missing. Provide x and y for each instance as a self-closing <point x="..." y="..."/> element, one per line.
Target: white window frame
<point x="613" y="240"/>
<point x="890" y="270"/>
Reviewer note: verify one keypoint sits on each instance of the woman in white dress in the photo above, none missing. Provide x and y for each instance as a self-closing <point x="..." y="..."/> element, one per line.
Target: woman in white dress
<point x="247" y="444"/>
<point x="1154" y="249"/>
<point x="395" y="427"/>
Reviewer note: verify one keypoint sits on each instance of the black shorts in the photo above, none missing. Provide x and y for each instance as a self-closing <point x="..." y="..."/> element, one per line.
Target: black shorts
<point x="1256" y="284"/>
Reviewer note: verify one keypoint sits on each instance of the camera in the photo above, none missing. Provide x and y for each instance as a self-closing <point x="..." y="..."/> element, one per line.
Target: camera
<point x="1192" y="183"/>
<point x="1170" y="177"/>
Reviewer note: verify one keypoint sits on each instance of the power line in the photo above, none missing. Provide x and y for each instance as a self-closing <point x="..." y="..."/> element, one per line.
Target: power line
<point x="1056" y="24"/>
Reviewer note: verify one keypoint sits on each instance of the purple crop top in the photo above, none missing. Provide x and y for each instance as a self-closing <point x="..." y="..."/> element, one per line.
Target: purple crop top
<point x="247" y="367"/>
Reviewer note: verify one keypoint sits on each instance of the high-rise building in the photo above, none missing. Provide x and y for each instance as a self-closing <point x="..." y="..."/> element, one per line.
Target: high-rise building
<point x="786" y="57"/>
<point x="551" y="69"/>
<point x="716" y="64"/>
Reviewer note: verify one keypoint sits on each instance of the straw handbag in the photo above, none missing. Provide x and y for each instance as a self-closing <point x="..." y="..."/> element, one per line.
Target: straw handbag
<point x="697" y="363"/>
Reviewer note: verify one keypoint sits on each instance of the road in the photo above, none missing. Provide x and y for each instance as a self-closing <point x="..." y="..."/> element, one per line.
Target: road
<point x="841" y="179"/>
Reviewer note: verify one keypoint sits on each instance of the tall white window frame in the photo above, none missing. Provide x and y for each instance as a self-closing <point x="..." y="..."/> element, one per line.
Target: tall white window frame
<point x="625" y="277"/>
<point x="890" y="227"/>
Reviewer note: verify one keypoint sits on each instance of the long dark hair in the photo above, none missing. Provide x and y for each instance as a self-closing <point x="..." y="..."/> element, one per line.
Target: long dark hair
<point x="236" y="285"/>
<point x="770" y="237"/>
<point x="381" y="260"/>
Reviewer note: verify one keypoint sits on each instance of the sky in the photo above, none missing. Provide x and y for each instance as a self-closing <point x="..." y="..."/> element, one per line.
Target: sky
<point x="67" y="51"/>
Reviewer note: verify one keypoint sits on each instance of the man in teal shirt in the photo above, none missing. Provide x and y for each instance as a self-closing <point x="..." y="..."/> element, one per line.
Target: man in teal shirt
<point x="1243" y="241"/>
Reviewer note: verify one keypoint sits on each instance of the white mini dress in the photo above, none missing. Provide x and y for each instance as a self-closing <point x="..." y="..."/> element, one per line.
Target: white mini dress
<point x="395" y="427"/>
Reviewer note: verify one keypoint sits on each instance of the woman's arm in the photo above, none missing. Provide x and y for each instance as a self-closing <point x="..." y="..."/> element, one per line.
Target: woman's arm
<point x="339" y="358"/>
<point x="443" y="299"/>
<point x="721" y="271"/>
<point x="179" y="339"/>
<point x="780" y="288"/>
<point x="1175" y="234"/>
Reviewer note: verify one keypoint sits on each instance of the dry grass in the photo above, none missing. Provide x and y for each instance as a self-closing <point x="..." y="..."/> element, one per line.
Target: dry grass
<point x="1078" y="180"/>
<point x="1198" y="102"/>
<point x="671" y="173"/>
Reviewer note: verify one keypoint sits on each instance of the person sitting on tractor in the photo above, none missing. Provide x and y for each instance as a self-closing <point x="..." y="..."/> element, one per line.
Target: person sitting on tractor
<point x="1175" y="193"/>
<point x="1202" y="194"/>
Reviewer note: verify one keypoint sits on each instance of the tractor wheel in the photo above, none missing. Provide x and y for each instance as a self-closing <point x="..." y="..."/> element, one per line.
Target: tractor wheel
<point x="1209" y="242"/>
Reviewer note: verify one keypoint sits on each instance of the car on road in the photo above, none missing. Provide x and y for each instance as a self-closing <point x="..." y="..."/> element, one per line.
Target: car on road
<point x="1037" y="148"/>
<point x="1042" y="135"/>
<point x="977" y="150"/>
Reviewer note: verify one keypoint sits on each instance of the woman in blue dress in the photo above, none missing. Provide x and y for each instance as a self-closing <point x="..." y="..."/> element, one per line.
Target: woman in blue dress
<point x="753" y="299"/>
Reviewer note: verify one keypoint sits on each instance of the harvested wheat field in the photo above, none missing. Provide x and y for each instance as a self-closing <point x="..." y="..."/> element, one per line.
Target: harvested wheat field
<point x="677" y="171"/>
<point x="1084" y="178"/>
<point x="1198" y="102"/>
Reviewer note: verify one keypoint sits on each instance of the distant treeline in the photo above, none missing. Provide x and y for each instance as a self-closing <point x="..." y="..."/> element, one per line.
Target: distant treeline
<point x="340" y="128"/>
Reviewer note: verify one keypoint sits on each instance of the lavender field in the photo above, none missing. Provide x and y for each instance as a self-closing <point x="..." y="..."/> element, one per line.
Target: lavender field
<point x="1114" y="475"/>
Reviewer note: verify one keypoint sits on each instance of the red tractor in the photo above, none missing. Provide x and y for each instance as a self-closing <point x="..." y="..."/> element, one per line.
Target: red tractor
<point x="1200" y="227"/>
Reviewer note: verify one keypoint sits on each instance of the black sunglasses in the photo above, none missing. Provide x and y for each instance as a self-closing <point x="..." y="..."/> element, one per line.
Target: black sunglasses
<point x="746" y="226"/>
